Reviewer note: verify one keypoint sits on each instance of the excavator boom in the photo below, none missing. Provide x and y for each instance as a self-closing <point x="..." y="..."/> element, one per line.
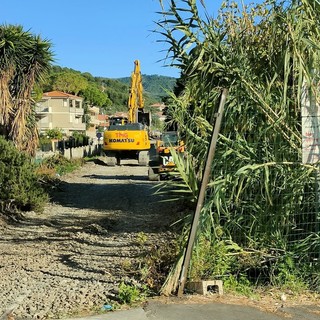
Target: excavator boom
<point x="135" y="102"/>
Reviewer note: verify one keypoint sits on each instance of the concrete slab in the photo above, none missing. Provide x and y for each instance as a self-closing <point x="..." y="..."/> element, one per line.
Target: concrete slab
<point x="156" y="310"/>
<point x="207" y="311"/>
<point x="132" y="314"/>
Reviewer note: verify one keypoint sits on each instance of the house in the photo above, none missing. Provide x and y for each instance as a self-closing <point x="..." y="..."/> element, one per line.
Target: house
<point x="97" y="121"/>
<point x="103" y="121"/>
<point x="60" y="110"/>
<point x="159" y="110"/>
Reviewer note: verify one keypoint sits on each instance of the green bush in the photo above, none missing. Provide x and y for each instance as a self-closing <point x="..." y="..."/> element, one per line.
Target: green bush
<point x="130" y="294"/>
<point x="213" y="259"/>
<point x="54" y="133"/>
<point x="19" y="185"/>
<point x="61" y="165"/>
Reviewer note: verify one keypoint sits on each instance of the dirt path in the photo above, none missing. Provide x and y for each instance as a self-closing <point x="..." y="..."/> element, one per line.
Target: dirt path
<point x="70" y="259"/>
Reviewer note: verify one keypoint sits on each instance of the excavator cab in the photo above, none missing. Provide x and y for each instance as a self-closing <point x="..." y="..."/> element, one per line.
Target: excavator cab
<point x="144" y="118"/>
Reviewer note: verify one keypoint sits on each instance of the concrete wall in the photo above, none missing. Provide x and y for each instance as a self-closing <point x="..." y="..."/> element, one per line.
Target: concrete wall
<point x="72" y="153"/>
<point x="81" y="152"/>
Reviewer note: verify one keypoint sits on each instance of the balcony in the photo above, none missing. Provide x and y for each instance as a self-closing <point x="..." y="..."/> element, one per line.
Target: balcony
<point x="77" y="112"/>
<point x="42" y="109"/>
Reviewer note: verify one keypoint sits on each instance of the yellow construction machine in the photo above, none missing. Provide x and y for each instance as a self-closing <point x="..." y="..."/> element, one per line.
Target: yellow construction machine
<point x="128" y="137"/>
<point x="161" y="159"/>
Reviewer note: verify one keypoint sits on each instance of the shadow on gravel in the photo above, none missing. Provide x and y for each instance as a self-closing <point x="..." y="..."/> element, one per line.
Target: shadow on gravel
<point x="116" y="177"/>
<point x="95" y="204"/>
<point x="135" y="197"/>
<point x="97" y="161"/>
<point x="102" y="163"/>
<point x="68" y="259"/>
<point x="96" y="208"/>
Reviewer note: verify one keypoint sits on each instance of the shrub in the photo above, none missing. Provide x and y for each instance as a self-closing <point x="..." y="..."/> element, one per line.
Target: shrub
<point x="156" y="264"/>
<point x="19" y="185"/>
<point x="60" y="165"/>
<point x="213" y="259"/>
<point x="54" y="133"/>
<point x="130" y="294"/>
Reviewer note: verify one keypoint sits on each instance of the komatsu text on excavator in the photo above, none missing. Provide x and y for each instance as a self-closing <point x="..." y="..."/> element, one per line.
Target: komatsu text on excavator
<point x="128" y="137"/>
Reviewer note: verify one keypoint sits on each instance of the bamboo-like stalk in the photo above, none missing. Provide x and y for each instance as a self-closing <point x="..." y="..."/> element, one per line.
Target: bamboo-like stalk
<point x="258" y="192"/>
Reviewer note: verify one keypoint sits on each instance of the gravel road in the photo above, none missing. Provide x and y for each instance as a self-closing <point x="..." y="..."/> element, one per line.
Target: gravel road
<point x="69" y="260"/>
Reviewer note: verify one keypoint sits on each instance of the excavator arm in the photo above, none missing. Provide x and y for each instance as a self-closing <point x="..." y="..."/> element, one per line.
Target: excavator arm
<point x="135" y="102"/>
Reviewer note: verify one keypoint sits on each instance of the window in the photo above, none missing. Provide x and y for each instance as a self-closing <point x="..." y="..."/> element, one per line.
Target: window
<point x="77" y="104"/>
<point x="70" y="103"/>
<point x="44" y="120"/>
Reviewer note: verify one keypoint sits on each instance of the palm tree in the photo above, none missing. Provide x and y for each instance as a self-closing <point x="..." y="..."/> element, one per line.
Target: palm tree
<point x="24" y="60"/>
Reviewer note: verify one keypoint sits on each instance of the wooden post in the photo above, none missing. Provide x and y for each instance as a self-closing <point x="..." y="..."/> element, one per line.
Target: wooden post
<point x="201" y="196"/>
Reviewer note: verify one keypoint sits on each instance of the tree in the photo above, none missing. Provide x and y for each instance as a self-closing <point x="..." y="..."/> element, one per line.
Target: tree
<point x="70" y="82"/>
<point x="24" y="60"/>
<point x="95" y="97"/>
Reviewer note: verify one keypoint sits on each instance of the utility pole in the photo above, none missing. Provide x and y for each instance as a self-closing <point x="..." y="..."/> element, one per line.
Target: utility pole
<point x="201" y="196"/>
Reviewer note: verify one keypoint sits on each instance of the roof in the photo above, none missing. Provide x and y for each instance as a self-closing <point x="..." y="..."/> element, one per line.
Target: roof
<point x="159" y="106"/>
<point x="59" y="94"/>
<point x="102" y="117"/>
<point x="120" y="114"/>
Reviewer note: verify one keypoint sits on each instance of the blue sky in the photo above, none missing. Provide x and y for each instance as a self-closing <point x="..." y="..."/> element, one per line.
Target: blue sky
<point x="102" y="37"/>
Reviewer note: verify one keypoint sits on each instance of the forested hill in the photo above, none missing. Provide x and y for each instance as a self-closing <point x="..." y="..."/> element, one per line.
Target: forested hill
<point x="110" y="94"/>
<point x="154" y="85"/>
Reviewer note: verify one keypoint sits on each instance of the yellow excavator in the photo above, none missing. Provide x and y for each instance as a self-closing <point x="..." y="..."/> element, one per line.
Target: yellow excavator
<point x="128" y="137"/>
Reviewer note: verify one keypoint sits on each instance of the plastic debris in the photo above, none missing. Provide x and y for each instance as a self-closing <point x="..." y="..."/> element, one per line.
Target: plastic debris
<point x="107" y="307"/>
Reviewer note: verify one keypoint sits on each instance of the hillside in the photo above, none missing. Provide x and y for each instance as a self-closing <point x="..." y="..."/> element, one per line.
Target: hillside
<point x="155" y="86"/>
<point x="112" y="94"/>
